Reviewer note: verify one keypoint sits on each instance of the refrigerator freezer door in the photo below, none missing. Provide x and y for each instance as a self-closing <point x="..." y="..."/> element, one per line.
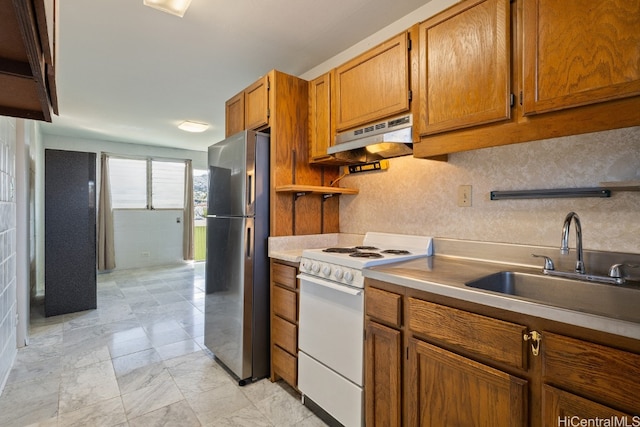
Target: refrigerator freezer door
<point x="231" y="176"/>
<point x="228" y="300"/>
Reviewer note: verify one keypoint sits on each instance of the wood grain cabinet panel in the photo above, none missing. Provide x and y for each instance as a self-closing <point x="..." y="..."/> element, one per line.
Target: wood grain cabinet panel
<point x="284" y="334"/>
<point x="234" y="115"/>
<point x="562" y="408"/>
<point x="492" y="338"/>
<point x="284" y="323"/>
<point x="256" y="104"/>
<point x="465" y="67"/>
<point x="594" y="371"/>
<point x="285" y="364"/>
<point x="321" y="131"/>
<point x="383" y="376"/>
<point x="285" y="303"/>
<point x="374" y="85"/>
<point x="285" y="275"/>
<point x="450" y="390"/>
<point x="384" y="306"/>
<point x="576" y="55"/>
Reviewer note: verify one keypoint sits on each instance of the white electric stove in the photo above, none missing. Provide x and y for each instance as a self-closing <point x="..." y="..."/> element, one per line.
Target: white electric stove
<point x="331" y="327"/>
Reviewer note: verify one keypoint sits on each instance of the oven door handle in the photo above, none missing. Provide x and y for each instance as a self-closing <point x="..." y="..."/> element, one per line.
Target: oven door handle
<point x="341" y="288"/>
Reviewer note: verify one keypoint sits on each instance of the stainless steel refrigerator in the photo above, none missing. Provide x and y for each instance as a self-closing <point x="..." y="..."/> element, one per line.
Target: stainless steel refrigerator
<point x="237" y="267"/>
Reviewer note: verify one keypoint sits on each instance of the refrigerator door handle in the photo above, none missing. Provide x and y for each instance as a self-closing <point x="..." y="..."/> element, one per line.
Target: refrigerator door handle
<point x="250" y="190"/>
<point x="249" y="243"/>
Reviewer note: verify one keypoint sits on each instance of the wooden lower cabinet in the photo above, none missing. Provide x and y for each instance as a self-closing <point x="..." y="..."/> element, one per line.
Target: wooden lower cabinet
<point x="438" y="361"/>
<point x="450" y="390"/>
<point x="560" y="408"/>
<point x="284" y="322"/>
<point x="383" y="371"/>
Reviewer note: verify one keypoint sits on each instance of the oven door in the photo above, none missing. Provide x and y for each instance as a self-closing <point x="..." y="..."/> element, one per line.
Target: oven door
<point x="331" y="343"/>
<point x="331" y="325"/>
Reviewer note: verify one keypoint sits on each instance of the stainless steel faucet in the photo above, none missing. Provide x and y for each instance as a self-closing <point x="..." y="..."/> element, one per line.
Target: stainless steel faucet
<point x="564" y="244"/>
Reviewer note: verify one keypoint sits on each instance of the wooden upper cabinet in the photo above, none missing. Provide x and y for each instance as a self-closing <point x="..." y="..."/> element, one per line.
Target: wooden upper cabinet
<point x="321" y="131"/>
<point x="578" y="53"/>
<point x="465" y="66"/>
<point x="28" y="37"/>
<point x="256" y="104"/>
<point x="374" y="85"/>
<point x="234" y="114"/>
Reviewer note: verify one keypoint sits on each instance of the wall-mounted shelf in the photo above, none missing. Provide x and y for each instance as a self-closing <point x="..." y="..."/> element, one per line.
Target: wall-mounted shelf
<point x="551" y="193"/>
<point x="303" y="190"/>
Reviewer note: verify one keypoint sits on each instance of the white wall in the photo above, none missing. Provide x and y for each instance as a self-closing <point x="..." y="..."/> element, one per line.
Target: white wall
<point x="430" y="8"/>
<point x="140" y="229"/>
<point x="147" y="238"/>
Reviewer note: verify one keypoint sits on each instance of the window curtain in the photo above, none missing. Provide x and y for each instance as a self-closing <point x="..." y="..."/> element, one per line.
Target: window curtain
<point x="106" y="247"/>
<point x="187" y="223"/>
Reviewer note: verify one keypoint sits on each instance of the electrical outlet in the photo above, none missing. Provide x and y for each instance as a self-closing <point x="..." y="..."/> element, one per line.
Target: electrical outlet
<point x="464" y="196"/>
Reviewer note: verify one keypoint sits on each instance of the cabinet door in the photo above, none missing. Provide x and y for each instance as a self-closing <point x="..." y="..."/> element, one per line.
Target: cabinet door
<point x="383" y="373"/>
<point x="450" y="390"/>
<point x="256" y="104"/>
<point x="562" y="408"/>
<point x="594" y="371"/>
<point x="320" y="130"/>
<point x="234" y="114"/>
<point x="576" y="54"/>
<point x="373" y="85"/>
<point x="465" y="67"/>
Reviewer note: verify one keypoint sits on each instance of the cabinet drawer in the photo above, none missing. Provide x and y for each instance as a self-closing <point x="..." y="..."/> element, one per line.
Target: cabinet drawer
<point x="285" y="303"/>
<point x="384" y="306"/>
<point x="604" y="374"/>
<point x="495" y="339"/>
<point x="285" y="365"/>
<point x="284" y="275"/>
<point x="284" y="334"/>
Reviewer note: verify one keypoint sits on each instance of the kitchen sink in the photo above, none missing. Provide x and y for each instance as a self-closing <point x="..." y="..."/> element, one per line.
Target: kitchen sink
<point x="613" y="301"/>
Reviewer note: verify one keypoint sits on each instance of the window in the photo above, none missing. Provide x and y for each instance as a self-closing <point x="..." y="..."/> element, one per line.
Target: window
<point x="146" y="183"/>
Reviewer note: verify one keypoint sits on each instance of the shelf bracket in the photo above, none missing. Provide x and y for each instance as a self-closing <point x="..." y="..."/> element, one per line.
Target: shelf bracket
<point x="299" y="194"/>
<point x="327" y="196"/>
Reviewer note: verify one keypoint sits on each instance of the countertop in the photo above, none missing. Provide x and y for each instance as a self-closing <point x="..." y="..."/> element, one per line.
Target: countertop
<point x="289" y="248"/>
<point x="446" y="276"/>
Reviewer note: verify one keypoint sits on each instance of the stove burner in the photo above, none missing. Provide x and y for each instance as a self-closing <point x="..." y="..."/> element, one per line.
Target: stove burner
<point x="367" y="248"/>
<point x="396" y="252"/>
<point x="340" y="250"/>
<point x="366" y="255"/>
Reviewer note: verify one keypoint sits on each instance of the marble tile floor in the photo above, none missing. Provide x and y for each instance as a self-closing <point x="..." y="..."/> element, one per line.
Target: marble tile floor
<point x="138" y="360"/>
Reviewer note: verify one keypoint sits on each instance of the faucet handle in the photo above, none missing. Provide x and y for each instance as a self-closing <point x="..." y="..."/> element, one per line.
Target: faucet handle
<point x="548" y="262"/>
<point x="615" y="270"/>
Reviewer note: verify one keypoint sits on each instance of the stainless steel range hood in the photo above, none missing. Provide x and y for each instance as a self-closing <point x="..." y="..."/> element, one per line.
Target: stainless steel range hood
<point x="381" y="140"/>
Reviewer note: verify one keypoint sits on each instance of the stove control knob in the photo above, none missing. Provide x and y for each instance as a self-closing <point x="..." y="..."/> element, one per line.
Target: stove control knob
<point x="306" y="265"/>
<point x="348" y="276"/>
<point x="315" y="268"/>
<point x="326" y="270"/>
<point x="338" y="274"/>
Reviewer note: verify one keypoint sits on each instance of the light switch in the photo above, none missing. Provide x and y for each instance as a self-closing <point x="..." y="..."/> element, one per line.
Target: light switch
<point x="464" y="196"/>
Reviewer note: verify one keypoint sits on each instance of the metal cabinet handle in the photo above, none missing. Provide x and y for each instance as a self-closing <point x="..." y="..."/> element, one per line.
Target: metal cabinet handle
<point x="535" y="337"/>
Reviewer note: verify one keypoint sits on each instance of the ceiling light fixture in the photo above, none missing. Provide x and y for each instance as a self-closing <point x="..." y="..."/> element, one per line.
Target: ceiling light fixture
<point x="174" y="7"/>
<point x="190" y="126"/>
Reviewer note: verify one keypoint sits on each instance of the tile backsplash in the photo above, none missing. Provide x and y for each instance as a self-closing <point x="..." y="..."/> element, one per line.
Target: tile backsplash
<point x="7" y="246"/>
<point x="418" y="196"/>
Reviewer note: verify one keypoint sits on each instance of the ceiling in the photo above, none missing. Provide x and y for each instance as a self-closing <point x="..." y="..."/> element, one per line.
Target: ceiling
<point x="130" y="73"/>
